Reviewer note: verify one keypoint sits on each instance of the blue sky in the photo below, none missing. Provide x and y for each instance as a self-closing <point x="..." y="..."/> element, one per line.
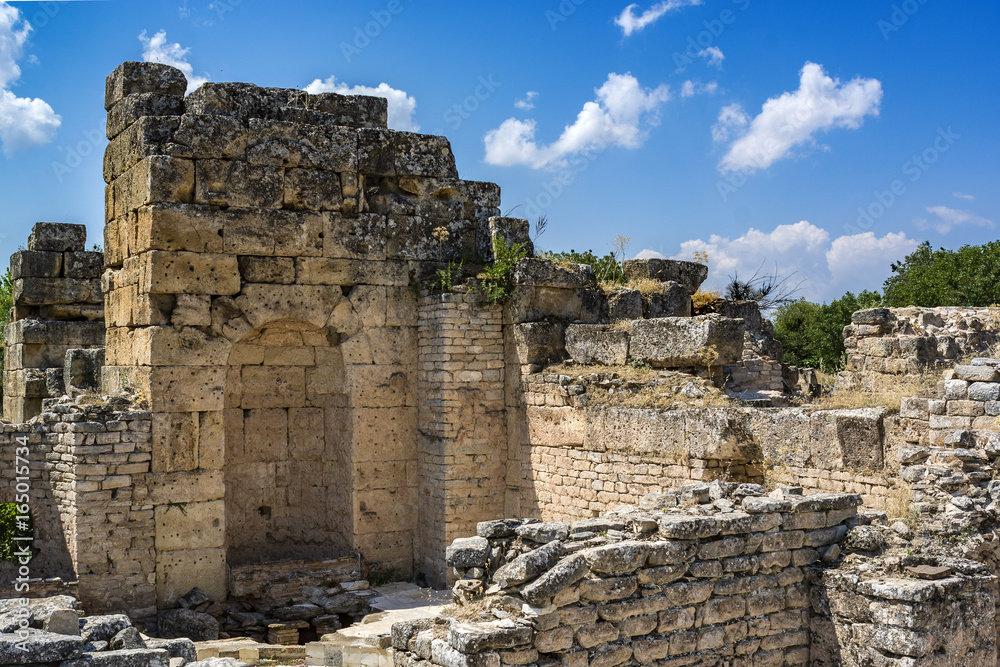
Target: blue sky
<point x="826" y="139"/>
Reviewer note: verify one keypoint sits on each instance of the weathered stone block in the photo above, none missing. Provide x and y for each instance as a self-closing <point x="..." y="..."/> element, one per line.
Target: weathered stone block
<point x="544" y="273"/>
<point x="176" y="227"/>
<point x="272" y="232"/>
<point x="672" y="342"/>
<point x="189" y="273"/>
<point x="57" y="237"/>
<point x="49" y="291"/>
<point x="239" y="184"/>
<point x="539" y="342"/>
<point x="625" y="304"/>
<point x="597" y="343"/>
<point x="312" y="190"/>
<point x="688" y="274"/>
<point x="35" y="264"/>
<point x="191" y="526"/>
<point x="38" y="647"/>
<point x="134" y="77"/>
<point x="672" y="301"/>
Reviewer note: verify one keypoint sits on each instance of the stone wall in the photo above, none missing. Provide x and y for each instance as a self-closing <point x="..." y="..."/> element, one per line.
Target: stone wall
<point x="892" y="342"/>
<point x="92" y="502"/>
<point x="462" y="460"/>
<point x="870" y="618"/>
<point x="690" y="579"/>
<point x="952" y="470"/>
<point x="577" y="460"/>
<point x="52" y="344"/>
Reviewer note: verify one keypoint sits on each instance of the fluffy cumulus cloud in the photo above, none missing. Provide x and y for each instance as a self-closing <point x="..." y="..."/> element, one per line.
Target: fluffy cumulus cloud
<point x="792" y="119"/>
<point x="631" y="22"/>
<point x="826" y="267"/>
<point x="691" y="88"/>
<point x="402" y="107"/>
<point x="713" y="56"/>
<point x="24" y="122"/>
<point x="527" y="103"/>
<point x="157" y="49"/>
<point x="621" y="115"/>
<point x="943" y="219"/>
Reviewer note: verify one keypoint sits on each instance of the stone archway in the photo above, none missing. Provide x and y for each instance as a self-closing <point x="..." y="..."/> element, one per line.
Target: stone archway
<point x="288" y="445"/>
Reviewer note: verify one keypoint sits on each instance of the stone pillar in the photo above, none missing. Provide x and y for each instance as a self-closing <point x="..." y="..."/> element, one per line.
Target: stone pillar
<point x="463" y="423"/>
<point x="58" y="307"/>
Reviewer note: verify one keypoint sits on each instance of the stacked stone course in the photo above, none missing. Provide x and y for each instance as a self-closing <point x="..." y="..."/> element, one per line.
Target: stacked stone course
<point x="708" y="573"/>
<point x="91" y="501"/>
<point x="903" y="341"/>
<point x="53" y="342"/>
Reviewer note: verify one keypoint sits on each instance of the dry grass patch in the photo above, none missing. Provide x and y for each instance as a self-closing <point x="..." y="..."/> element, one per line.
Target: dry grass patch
<point x="883" y="391"/>
<point x="643" y="387"/>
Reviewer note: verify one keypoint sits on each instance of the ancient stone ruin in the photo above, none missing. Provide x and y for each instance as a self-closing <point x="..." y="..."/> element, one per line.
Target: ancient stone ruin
<point x="284" y="384"/>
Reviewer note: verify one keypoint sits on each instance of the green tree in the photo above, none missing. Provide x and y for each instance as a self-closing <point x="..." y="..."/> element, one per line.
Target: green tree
<point x="969" y="276"/>
<point x="813" y="334"/>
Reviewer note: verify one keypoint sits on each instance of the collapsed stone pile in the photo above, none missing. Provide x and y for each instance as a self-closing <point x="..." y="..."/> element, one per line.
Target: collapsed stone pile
<point x="690" y="576"/>
<point x="53" y="631"/>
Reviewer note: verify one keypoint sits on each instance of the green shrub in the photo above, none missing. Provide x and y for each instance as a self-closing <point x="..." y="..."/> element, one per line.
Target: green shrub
<point x="497" y="279"/>
<point x="9" y="530"/>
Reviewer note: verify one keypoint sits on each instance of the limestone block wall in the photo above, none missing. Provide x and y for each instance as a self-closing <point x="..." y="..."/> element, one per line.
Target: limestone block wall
<point x="577" y="461"/>
<point x="92" y="502"/>
<point x="688" y="585"/>
<point x="900" y="341"/>
<point x="879" y="619"/>
<point x="951" y="470"/>
<point x="262" y="244"/>
<point x="58" y="307"/>
<point x="462" y="449"/>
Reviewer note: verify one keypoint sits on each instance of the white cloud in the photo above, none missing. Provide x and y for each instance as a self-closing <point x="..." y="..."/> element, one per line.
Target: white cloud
<point x="156" y="49"/>
<point x="649" y="254"/>
<point x="620" y="116"/>
<point x="820" y="104"/>
<point x="629" y="22"/>
<point x="24" y="122"/>
<point x="827" y="267"/>
<point x="733" y="120"/>
<point x="962" y="195"/>
<point x="713" y="56"/>
<point x="691" y="88"/>
<point x="945" y="219"/>
<point x="402" y="107"/>
<point x="528" y="103"/>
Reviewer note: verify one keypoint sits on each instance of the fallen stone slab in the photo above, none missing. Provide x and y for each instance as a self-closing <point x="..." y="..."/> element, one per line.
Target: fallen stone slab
<point x="103" y="628"/>
<point x="38" y="647"/>
<point x="125" y="658"/>
<point x="467" y="552"/>
<point x="527" y="566"/>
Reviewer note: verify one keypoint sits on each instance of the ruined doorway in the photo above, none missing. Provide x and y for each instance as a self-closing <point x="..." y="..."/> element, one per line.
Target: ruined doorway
<point x="288" y="434"/>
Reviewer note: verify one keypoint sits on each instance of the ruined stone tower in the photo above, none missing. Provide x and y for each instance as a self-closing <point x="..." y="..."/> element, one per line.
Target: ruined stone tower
<point x="261" y="244"/>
